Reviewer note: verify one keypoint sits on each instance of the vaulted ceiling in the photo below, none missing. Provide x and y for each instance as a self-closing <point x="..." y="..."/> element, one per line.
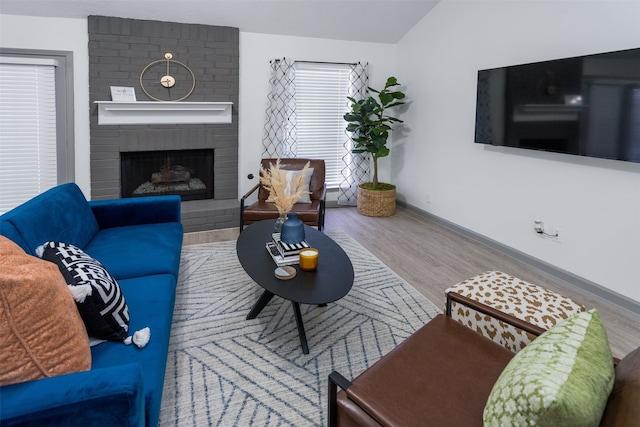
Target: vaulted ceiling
<point x="381" y="21"/>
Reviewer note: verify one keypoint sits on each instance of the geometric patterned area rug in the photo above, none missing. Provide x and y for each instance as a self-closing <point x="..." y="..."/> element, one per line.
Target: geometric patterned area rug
<point x="224" y="370"/>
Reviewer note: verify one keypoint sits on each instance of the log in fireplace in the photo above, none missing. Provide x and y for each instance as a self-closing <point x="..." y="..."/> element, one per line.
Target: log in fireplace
<point x="187" y="173"/>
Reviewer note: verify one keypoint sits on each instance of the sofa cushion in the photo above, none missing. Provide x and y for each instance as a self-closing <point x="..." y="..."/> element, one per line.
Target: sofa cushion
<point x="291" y="178"/>
<point x="427" y="372"/>
<point x="154" y="247"/>
<point x="61" y="214"/>
<point x="294" y="175"/>
<point x="41" y="332"/>
<point x="8" y="230"/>
<point x="514" y="297"/>
<point x="563" y="378"/>
<point x="151" y="300"/>
<point x="97" y="294"/>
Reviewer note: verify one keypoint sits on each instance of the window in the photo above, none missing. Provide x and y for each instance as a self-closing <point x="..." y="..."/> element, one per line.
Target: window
<point x="36" y="150"/>
<point x="304" y="118"/>
<point x="321" y="92"/>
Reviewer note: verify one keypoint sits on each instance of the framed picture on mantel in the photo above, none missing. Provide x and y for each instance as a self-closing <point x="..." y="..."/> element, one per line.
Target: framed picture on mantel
<point x="123" y="94"/>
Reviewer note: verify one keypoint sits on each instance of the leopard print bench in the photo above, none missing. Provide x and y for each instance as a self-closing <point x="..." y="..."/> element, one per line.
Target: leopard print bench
<point x="515" y="297"/>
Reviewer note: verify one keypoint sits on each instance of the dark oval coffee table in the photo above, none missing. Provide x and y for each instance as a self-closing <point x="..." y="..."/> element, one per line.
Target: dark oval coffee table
<point x="330" y="282"/>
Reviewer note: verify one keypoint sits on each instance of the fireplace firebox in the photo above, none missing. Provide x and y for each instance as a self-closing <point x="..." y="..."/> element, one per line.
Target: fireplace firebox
<point x="187" y="173"/>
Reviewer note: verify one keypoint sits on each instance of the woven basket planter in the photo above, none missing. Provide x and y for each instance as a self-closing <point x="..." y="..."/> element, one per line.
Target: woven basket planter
<point x="376" y="202"/>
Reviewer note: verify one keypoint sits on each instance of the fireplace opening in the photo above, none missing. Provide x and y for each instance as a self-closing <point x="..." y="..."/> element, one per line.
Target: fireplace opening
<point x="187" y="173"/>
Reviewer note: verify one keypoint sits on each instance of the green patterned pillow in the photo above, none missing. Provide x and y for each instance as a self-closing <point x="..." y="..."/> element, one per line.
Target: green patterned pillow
<point x="563" y="378"/>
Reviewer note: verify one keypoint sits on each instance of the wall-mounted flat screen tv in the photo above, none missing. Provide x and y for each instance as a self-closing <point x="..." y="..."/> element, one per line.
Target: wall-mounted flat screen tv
<point x="587" y="105"/>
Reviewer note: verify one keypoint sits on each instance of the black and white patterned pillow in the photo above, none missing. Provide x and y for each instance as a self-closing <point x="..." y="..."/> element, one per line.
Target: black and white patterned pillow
<point x="97" y="294"/>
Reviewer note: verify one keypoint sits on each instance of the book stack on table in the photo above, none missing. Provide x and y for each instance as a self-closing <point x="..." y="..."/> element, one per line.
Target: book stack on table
<point x="284" y="253"/>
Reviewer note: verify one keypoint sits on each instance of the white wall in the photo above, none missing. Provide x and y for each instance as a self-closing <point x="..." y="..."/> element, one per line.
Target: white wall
<point x="22" y="32"/>
<point x="256" y="50"/>
<point x="498" y="192"/>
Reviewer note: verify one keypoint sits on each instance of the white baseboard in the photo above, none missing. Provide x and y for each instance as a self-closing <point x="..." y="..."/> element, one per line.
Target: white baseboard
<point x="580" y="282"/>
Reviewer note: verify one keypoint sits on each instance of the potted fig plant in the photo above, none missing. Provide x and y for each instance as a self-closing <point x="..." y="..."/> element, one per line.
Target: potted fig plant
<point x="370" y="125"/>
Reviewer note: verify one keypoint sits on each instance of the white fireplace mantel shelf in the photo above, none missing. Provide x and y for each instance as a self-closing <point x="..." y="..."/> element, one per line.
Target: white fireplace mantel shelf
<point x="151" y="112"/>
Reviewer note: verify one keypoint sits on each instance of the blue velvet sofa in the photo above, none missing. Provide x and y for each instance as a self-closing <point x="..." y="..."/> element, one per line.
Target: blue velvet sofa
<point x="138" y="240"/>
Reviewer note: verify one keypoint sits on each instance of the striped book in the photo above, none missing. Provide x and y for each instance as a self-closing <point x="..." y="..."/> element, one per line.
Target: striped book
<point x="287" y="249"/>
<point x="272" y="248"/>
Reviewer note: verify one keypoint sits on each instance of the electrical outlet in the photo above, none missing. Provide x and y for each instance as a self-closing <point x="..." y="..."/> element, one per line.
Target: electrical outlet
<point x="538" y="226"/>
<point x="557" y="235"/>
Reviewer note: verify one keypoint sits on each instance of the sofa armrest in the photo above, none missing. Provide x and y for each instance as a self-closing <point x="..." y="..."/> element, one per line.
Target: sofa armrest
<point x="111" y="396"/>
<point x="323" y="195"/>
<point x="250" y="192"/>
<point x="490" y="311"/>
<point x="243" y="203"/>
<point x="335" y="380"/>
<point x="322" y="207"/>
<point x="136" y="210"/>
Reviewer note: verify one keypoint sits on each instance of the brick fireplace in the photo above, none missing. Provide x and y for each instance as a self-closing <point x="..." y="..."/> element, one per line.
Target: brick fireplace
<point x="118" y="51"/>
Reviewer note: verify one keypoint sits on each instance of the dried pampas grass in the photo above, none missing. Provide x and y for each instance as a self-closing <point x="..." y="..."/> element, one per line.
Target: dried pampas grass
<point x="282" y="193"/>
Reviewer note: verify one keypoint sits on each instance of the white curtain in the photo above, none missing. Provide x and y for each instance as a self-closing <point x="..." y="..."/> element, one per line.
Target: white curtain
<point x="279" y="138"/>
<point x="356" y="165"/>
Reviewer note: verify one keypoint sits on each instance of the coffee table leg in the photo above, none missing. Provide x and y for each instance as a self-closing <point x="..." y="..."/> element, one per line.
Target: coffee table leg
<point x="260" y="304"/>
<point x="301" y="333"/>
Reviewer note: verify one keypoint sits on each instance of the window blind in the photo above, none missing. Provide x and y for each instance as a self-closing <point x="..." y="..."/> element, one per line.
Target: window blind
<point x="321" y="92"/>
<point x="28" y="164"/>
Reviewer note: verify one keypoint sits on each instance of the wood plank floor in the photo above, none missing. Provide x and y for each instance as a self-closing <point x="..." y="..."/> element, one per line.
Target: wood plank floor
<point x="431" y="258"/>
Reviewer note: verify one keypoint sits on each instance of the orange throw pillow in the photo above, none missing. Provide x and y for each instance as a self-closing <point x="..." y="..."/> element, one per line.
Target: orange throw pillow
<point x="41" y="332"/>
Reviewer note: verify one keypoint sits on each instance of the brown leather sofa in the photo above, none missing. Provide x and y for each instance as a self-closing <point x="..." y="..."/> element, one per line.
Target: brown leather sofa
<point x="310" y="213"/>
<point x="443" y="374"/>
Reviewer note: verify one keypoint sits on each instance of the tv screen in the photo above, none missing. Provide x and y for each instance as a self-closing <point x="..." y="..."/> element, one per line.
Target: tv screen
<point x="587" y="105"/>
